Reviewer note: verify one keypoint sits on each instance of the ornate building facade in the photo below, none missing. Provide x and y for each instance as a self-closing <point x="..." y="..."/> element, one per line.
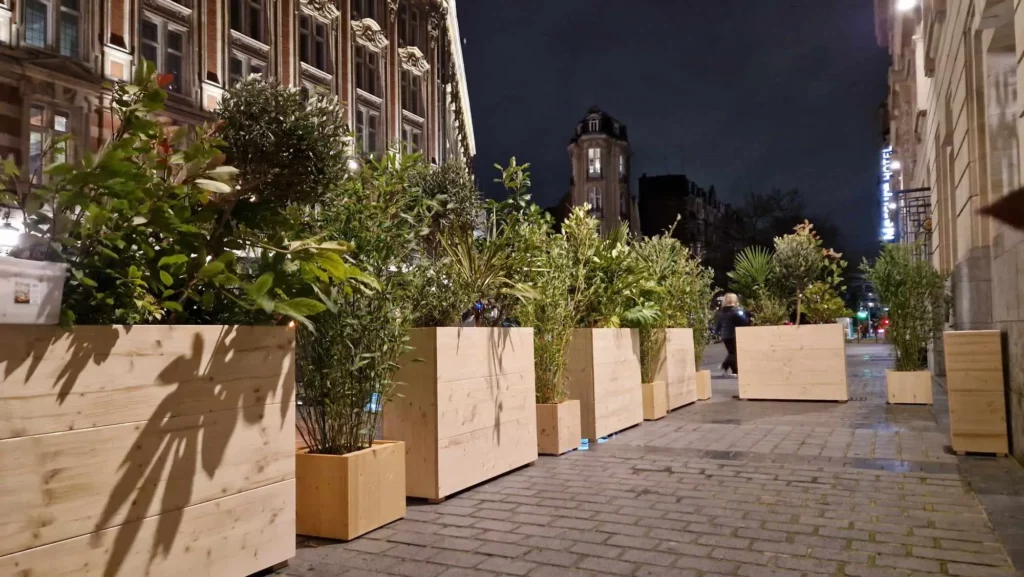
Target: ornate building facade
<point x="600" y="155"/>
<point x="395" y="65"/>
<point x="955" y="133"/>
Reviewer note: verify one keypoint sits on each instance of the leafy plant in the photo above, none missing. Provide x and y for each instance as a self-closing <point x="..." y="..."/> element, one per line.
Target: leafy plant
<point x="768" y="309"/>
<point x="800" y="260"/>
<point x="751" y="272"/>
<point x="148" y="236"/>
<point x="823" y="305"/>
<point x="916" y="296"/>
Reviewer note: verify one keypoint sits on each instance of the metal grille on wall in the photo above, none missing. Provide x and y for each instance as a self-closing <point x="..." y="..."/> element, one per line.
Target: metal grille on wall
<point x="914" y="219"/>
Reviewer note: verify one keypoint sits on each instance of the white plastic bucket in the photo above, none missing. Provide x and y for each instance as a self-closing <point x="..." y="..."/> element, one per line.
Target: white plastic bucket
<point x="30" y="291"/>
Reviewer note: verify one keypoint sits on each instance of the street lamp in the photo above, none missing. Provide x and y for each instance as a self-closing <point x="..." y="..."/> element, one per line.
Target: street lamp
<point x="904" y="5"/>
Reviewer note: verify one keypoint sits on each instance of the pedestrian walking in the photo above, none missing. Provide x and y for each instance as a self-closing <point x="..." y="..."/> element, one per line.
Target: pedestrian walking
<point x="730" y="316"/>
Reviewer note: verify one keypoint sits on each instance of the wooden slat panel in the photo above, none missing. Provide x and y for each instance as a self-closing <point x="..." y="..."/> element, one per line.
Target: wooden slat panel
<point x="558" y="428"/>
<point x="679" y="368"/>
<point x="472" y="353"/>
<point x="475" y="457"/>
<point x="792" y="363"/>
<point x="234" y="536"/>
<point x="974" y="381"/>
<point x="618" y="396"/>
<point x="467" y="406"/>
<point x="63" y="485"/>
<point x="411" y="415"/>
<point x="98" y="376"/>
<point x="909" y="387"/>
<point x="579" y="375"/>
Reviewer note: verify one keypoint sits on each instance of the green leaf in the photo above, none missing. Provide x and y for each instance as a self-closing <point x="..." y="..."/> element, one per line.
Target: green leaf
<point x="262" y="285"/>
<point x="172" y="306"/>
<point x="212" y="269"/>
<point x="213" y="185"/>
<point x="172" y="260"/>
<point x="166" y="278"/>
<point x="299" y="307"/>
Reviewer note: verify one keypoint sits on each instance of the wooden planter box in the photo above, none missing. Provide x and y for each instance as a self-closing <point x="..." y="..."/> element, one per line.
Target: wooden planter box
<point x="703" y="385"/>
<point x="149" y="450"/>
<point x="558" y="428"/>
<point x="975" y="385"/>
<point x="676" y="368"/>
<point x="655" y="397"/>
<point x="909" y="387"/>
<point x="465" y="407"/>
<point x="345" y="496"/>
<point x="603" y="373"/>
<point x="800" y="363"/>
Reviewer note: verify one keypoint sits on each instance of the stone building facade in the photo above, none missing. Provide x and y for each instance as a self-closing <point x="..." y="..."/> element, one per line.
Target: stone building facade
<point x="395" y="65"/>
<point x="600" y="155"/>
<point x="955" y="128"/>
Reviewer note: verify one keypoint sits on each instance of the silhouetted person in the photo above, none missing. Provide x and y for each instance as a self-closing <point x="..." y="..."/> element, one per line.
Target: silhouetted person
<point x="728" y="318"/>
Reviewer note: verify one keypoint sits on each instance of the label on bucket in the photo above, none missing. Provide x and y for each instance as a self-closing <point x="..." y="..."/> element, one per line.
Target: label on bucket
<point x="26" y="293"/>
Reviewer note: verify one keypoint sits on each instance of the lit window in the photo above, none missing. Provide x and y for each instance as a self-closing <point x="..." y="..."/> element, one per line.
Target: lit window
<point x="594" y="162"/>
<point x="67" y="16"/>
<point x="367" y="126"/>
<point x="247" y="18"/>
<point x="408" y="26"/>
<point x="412" y="93"/>
<point x="364" y="9"/>
<point x="313" y="42"/>
<point x="367" y="64"/>
<point x="163" y="44"/>
<point x="595" y="200"/>
<point x="622" y="166"/>
<point x="412" y="138"/>
<point x="595" y="124"/>
<point x="46" y="125"/>
<point x="242" y="66"/>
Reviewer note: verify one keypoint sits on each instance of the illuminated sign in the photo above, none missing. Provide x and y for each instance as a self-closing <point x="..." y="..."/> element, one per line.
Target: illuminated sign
<point x="888" y="228"/>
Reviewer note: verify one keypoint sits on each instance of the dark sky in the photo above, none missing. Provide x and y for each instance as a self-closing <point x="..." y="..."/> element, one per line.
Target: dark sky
<point x="741" y="94"/>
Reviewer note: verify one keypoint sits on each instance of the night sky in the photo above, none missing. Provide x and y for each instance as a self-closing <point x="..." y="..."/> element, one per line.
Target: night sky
<point x="741" y="94"/>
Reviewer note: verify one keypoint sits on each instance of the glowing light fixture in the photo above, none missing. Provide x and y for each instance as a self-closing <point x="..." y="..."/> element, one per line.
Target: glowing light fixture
<point x="9" y="236"/>
<point x="904" y="5"/>
<point x="895" y="165"/>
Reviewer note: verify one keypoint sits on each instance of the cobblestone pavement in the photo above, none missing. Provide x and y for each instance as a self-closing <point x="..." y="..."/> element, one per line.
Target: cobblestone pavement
<point x="723" y="487"/>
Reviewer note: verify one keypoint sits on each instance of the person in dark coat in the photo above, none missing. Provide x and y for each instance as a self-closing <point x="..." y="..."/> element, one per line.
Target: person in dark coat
<point x="730" y="316"/>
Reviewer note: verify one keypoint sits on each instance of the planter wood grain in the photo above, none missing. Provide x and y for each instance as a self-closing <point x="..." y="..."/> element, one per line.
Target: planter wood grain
<point x="801" y="363"/>
<point x="908" y="387"/>
<point x="467" y="411"/>
<point x="703" y="385"/>
<point x="345" y="496"/>
<point x="558" y="427"/>
<point x="603" y="372"/>
<point x="975" y="385"/>
<point x="148" y="450"/>
<point x="676" y="368"/>
<point x="655" y="397"/>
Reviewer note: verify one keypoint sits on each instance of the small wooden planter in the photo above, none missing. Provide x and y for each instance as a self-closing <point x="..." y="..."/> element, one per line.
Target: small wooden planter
<point x="345" y="496"/>
<point x="676" y="368"/>
<point x="558" y="428"/>
<point x="799" y="363"/>
<point x="603" y="373"/>
<point x="147" y="450"/>
<point x="975" y="384"/>
<point x="655" y="400"/>
<point x="909" y="387"/>
<point x="703" y="385"/>
<point x="465" y="407"/>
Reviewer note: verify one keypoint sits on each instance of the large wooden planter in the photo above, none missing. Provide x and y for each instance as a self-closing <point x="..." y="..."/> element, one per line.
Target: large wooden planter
<point x="345" y="496"/>
<point x="703" y="385"/>
<point x="603" y="372"/>
<point x="908" y="387"/>
<point x="655" y="397"/>
<point x="558" y="428"/>
<point x="676" y="368"/>
<point x="801" y="363"/>
<point x="152" y="450"/>
<point x="465" y="407"/>
<point x="974" y="382"/>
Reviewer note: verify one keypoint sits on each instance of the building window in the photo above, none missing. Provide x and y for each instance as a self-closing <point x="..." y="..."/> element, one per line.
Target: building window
<point x="247" y="18"/>
<point x="594" y="124"/>
<point x="242" y="66"/>
<point x="46" y="125"/>
<point x="595" y="200"/>
<point x="367" y="66"/>
<point x="67" y="14"/>
<point x="367" y="127"/>
<point x="313" y="42"/>
<point x="412" y="139"/>
<point x="163" y="44"/>
<point x="364" y="9"/>
<point x="412" y="93"/>
<point x="624" y="204"/>
<point x="408" y="26"/>
<point x="594" y="162"/>
<point x="622" y="166"/>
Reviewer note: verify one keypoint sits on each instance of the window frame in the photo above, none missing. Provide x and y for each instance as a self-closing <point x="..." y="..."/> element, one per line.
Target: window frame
<point x="409" y="23"/>
<point x="55" y="11"/>
<point x="245" y="26"/>
<point x="411" y="91"/>
<point x="594" y="169"/>
<point x="367" y="111"/>
<point x="247" y="60"/>
<point x="47" y="132"/>
<point x="312" y="40"/>
<point x="623" y="173"/>
<point x="375" y="75"/>
<point x="594" y="124"/>
<point x="595" y="199"/>
<point x="362" y="9"/>
<point x="165" y="26"/>
<point x="409" y="131"/>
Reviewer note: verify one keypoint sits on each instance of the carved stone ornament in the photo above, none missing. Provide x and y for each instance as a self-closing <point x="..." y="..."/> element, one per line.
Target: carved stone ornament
<point x="413" y="60"/>
<point x="368" y="32"/>
<point x="435" y="22"/>
<point x="393" y="9"/>
<point x="325" y="8"/>
<point x="171" y="10"/>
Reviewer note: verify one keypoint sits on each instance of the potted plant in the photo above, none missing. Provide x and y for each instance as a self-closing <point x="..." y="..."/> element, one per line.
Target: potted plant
<point x="603" y="363"/>
<point x="466" y="404"/>
<point x="791" y="362"/>
<point x="175" y="412"/>
<point x="914" y="292"/>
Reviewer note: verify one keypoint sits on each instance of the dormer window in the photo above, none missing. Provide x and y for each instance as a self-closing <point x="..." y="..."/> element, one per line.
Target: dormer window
<point x="594" y="124"/>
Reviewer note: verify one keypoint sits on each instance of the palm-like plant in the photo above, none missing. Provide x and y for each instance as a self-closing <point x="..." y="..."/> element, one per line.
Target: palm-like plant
<point x="751" y="271"/>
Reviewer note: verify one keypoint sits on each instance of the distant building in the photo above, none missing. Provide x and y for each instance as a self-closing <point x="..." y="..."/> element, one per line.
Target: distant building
<point x="600" y="156"/>
<point x="711" y="228"/>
